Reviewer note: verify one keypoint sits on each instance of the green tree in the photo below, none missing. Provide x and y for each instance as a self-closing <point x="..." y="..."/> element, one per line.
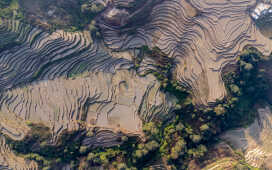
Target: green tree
<point x="195" y="138"/>
<point x="235" y="89"/>
<point x="104" y="159"/>
<point x="248" y="66"/>
<point x="204" y="127"/>
<point x="219" y="110"/>
<point x="152" y="145"/>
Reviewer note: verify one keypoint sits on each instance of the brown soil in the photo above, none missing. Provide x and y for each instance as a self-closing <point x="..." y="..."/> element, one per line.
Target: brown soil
<point x="265" y="26"/>
<point x="190" y="10"/>
<point x="218" y="152"/>
<point x="266" y="30"/>
<point x="50" y="13"/>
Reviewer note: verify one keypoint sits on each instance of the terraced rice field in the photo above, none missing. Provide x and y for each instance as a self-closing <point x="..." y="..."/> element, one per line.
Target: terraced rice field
<point x="202" y="36"/>
<point x="62" y="79"/>
<point x="43" y="56"/>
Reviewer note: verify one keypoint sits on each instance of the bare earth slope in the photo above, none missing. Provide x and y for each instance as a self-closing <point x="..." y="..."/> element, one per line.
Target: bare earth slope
<point x="255" y="140"/>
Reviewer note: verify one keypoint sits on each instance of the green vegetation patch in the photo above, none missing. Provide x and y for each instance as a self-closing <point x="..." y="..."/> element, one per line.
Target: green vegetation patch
<point x="195" y="129"/>
<point x="72" y="15"/>
<point x="10" y="9"/>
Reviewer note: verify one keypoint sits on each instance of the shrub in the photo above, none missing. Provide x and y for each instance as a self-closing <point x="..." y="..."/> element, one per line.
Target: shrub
<point x="91" y="156"/>
<point x="124" y="138"/>
<point x="83" y="149"/>
<point x="151" y="146"/>
<point x="122" y="166"/>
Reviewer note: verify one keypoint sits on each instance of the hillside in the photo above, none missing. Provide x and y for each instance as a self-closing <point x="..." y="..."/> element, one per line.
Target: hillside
<point x="134" y="84"/>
